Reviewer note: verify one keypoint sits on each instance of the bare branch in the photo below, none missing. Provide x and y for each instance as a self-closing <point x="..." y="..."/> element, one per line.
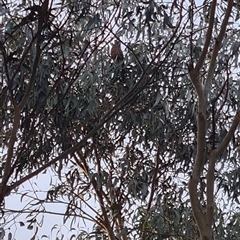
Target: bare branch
<point x="208" y="37"/>
<point x="211" y="168"/>
<point x="222" y="147"/>
<point x="197" y="169"/>
<point x="11" y="143"/>
<point x="216" y="48"/>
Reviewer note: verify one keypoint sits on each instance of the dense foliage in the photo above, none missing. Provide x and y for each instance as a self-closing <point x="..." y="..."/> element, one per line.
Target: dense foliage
<point x="120" y="134"/>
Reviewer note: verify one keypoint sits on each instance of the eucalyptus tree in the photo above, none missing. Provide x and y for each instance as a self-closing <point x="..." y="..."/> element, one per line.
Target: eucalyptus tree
<point x="150" y="136"/>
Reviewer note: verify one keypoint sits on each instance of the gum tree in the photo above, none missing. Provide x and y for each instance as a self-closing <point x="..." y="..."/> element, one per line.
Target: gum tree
<point x="151" y="138"/>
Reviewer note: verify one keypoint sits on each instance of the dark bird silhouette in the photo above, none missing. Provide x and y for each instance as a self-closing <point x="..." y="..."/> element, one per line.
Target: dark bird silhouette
<point x="116" y="52"/>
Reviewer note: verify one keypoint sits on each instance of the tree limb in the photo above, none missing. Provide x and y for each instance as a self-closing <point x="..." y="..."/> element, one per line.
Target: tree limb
<point x="216" y="48"/>
<point x="7" y="167"/>
<point x="208" y="37"/>
<point x="221" y="148"/>
<point x="214" y="155"/>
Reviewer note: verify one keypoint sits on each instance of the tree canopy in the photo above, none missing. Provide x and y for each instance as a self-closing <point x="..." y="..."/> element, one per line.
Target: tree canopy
<point x="144" y="145"/>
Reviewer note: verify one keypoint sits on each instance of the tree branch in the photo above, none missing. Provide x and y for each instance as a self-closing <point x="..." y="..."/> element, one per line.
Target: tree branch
<point x="154" y="178"/>
<point x="205" y="223"/>
<point x="38" y="54"/>
<point x="200" y="155"/>
<point x="216" y="48"/>
<point x="196" y="172"/>
<point x="214" y="155"/>
<point x="221" y="148"/>
<point x="208" y="37"/>
<point x="11" y="143"/>
<point x="19" y="107"/>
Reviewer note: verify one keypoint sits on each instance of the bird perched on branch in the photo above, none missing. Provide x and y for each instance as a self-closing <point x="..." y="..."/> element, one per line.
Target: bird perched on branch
<point x="118" y="67"/>
<point x="116" y="52"/>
